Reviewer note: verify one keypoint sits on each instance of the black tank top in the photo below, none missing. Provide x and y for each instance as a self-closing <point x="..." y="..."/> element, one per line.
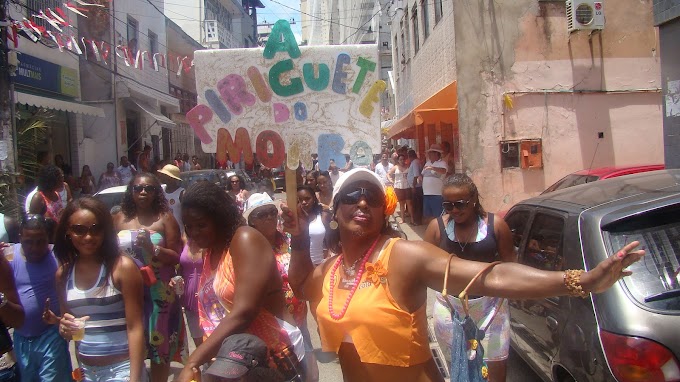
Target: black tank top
<point x="484" y="251"/>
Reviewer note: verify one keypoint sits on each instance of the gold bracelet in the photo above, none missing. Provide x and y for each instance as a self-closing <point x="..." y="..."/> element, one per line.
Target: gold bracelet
<point x="572" y="280"/>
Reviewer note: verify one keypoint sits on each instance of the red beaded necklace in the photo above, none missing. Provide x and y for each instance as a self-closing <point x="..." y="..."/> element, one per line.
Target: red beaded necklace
<point x="357" y="278"/>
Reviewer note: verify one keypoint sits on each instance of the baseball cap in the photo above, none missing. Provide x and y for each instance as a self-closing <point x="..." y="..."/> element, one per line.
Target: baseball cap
<point x="239" y="354"/>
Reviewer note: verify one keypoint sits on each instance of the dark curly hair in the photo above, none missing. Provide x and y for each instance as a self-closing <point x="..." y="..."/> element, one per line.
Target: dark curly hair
<point x="461" y="180"/>
<point x="240" y="179"/>
<point x="48" y="178"/>
<point x="67" y="254"/>
<point x="216" y="205"/>
<point x="159" y="205"/>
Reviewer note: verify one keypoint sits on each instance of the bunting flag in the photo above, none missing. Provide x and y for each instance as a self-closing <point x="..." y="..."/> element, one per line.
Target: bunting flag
<point x="58" y="19"/>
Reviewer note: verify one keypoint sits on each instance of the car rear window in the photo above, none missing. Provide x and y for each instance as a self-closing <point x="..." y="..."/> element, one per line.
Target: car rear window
<point x="655" y="281"/>
<point x="570" y="181"/>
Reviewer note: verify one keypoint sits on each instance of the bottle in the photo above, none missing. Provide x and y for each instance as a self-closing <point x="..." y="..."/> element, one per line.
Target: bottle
<point x="288" y="365"/>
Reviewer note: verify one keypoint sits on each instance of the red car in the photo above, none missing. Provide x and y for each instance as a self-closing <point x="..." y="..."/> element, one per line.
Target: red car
<point x="587" y="176"/>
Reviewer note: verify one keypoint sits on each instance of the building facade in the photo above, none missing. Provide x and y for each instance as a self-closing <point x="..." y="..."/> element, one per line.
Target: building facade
<point x="667" y="18"/>
<point x="521" y="99"/>
<point x="217" y="24"/>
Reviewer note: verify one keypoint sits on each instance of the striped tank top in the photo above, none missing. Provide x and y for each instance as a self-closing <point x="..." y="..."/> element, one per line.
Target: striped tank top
<point x="105" y="331"/>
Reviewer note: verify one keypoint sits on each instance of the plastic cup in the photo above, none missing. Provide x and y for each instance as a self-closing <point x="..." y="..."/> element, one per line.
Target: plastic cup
<point x="8" y="252"/>
<point x="79" y="333"/>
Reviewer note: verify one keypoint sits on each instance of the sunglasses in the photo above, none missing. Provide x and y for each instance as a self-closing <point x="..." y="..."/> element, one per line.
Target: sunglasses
<point x="458" y="204"/>
<point x="374" y="198"/>
<point x="82" y="230"/>
<point x="266" y="213"/>
<point x="235" y="181"/>
<point x="138" y="188"/>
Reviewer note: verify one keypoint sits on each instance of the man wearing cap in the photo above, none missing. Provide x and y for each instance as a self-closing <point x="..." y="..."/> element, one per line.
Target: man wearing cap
<point x="169" y="175"/>
<point x="432" y="176"/>
<point x="242" y="357"/>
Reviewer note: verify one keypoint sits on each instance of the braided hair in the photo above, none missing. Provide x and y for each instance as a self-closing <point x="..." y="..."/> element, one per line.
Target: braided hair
<point x="463" y="181"/>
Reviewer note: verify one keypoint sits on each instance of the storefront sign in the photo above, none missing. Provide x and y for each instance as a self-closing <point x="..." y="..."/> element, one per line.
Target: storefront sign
<point x="284" y="100"/>
<point x="44" y="75"/>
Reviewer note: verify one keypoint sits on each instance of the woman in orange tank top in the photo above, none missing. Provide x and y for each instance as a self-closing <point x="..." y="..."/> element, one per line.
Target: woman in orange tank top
<point x="371" y="297"/>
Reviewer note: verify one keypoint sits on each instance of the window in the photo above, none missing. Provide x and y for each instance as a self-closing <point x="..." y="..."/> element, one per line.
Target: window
<point x="34" y="5"/>
<point x="517" y="221"/>
<point x="132" y="35"/>
<point x="438" y="11"/>
<point x="414" y="22"/>
<point x="153" y="43"/>
<point x="656" y="278"/>
<point x="424" y="5"/>
<point x="544" y="244"/>
<point x="406" y="33"/>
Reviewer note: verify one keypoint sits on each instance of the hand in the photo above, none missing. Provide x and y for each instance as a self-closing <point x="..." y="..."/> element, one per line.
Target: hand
<point x="605" y="274"/>
<point x="145" y="243"/>
<point x="67" y="326"/>
<point x="48" y="315"/>
<point x="299" y="227"/>
<point x="4" y="245"/>
<point x="172" y="283"/>
<point x="189" y="374"/>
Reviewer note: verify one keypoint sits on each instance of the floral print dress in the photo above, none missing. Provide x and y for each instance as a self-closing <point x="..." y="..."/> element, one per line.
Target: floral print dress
<point x="165" y="329"/>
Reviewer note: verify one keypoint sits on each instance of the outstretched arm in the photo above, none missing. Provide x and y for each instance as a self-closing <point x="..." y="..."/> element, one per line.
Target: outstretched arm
<point x="510" y="280"/>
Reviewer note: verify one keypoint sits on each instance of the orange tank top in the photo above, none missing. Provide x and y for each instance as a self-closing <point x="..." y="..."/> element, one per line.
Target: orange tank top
<point x="382" y="332"/>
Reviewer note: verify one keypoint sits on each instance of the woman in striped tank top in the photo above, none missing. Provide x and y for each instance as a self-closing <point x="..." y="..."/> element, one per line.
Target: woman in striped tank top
<point x="96" y="281"/>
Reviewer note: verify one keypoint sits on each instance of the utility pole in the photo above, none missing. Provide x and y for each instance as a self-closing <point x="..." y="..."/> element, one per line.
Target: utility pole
<point x="7" y="161"/>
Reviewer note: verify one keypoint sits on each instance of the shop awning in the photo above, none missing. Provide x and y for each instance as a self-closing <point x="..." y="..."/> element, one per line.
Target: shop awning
<point x="162" y="120"/>
<point x="57" y="104"/>
<point x="441" y="107"/>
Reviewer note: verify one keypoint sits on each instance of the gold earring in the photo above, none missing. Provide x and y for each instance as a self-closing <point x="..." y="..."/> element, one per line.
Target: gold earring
<point x="333" y="225"/>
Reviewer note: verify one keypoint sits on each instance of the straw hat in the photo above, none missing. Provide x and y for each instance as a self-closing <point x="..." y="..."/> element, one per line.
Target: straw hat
<point x="171" y="171"/>
<point x="436" y="148"/>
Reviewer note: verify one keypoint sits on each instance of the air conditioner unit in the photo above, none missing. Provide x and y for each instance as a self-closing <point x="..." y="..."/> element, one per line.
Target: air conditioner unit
<point x="585" y="15"/>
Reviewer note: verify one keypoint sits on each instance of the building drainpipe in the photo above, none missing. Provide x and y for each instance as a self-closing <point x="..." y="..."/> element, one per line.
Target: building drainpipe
<point x="113" y="80"/>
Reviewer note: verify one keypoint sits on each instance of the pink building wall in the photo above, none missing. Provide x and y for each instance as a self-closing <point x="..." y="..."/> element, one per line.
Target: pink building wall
<point x="565" y="90"/>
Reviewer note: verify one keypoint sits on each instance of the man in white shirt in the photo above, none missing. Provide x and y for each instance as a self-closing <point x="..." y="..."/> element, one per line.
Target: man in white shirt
<point x="127" y="170"/>
<point x="432" y="176"/>
<point x="382" y="168"/>
<point x="413" y="177"/>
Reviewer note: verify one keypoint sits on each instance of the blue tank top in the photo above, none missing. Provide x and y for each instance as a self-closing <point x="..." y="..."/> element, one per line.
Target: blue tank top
<point x="105" y="331"/>
<point x="35" y="283"/>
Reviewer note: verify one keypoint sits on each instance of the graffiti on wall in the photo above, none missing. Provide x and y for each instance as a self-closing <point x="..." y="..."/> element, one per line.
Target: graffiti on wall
<point x="673" y="99"/>
<point x="285" y="101"/>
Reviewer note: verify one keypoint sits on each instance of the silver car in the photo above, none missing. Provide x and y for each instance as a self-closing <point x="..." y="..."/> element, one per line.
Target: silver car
<point x="632" y="331"/>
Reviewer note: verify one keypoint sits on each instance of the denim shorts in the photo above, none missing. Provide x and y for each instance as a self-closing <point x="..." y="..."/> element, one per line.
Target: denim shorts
<point x="432" y="205"/>
<point x="44" y="357"/>
<point x="116" y="372"/>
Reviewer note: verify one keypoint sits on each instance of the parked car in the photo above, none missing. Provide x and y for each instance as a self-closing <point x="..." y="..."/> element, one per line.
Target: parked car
<point x="587" y="176"/>
<point x="630" y="332"/>
<point x="112" y="196"/>
<point x="217" y="176"/>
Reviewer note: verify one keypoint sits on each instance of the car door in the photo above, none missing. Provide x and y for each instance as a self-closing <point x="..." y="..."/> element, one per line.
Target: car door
<point x="536" y="322"/>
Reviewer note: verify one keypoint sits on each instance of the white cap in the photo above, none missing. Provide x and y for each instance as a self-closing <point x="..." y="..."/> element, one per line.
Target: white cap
<point x="258" y="200"/>
<point x="356" y="175"/>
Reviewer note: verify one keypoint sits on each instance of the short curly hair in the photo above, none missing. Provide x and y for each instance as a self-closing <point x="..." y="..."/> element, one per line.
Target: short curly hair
<point x="215" y="204"/>
<point x="48" y="178"/>
<point x="159" y="205"/>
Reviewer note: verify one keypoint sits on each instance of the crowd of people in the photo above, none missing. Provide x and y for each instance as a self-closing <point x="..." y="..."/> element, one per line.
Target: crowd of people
<point x="243" y="272"/>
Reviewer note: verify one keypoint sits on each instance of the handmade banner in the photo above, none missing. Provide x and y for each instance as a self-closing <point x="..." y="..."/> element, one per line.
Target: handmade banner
<point x="284" y="101"/>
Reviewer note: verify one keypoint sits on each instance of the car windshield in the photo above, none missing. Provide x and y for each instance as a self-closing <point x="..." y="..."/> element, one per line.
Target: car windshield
<point x="570" y="181"/>
<point x="655" y="281"/>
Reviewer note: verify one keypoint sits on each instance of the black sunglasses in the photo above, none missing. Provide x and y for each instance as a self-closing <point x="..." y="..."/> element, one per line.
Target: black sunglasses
<point x="82" y="230"/>
<point x="458" y="204"/>
<point x="265" y="213"/>
<point x="148" y="188"/>
<point x="373" y="197"/>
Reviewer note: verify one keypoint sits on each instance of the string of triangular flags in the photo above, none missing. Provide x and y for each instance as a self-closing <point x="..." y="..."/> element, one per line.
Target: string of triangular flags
<point x="101" y="50"/>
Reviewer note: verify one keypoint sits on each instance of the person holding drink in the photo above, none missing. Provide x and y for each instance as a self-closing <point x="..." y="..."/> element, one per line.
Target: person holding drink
<point x="100" y="295"/>
<point x="149" y="233"/>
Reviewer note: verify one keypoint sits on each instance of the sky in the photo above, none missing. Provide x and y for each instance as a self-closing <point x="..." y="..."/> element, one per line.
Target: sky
<point x="281" y="9"/>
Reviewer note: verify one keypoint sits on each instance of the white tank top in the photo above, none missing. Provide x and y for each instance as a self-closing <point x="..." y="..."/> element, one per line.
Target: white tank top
<point x="400" y="179"/>
<point x="176" y="206"/>
<point x="317" y="232"/>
